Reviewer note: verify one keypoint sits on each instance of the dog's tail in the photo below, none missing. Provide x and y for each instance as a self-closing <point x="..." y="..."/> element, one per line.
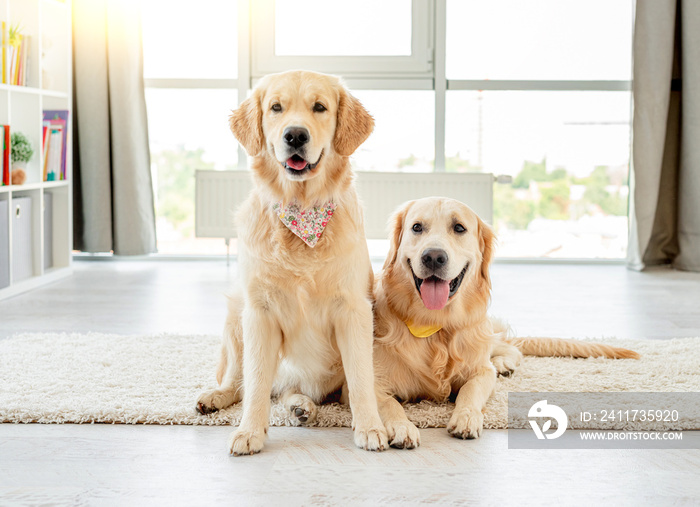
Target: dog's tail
<point x="558" y="347"/>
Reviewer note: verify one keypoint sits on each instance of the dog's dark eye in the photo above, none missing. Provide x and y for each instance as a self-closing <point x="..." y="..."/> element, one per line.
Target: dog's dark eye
<point x="276" y="107"/>
<point x="417" y="227"/>
<point x="319" y="108"/>
<point x="459" y="228"/>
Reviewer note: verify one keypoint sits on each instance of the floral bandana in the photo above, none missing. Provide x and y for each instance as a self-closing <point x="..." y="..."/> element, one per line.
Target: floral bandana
<point x="309" y="223"/>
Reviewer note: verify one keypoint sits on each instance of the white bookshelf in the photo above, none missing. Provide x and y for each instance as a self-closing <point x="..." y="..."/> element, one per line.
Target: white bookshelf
<point x="49" y="85"/>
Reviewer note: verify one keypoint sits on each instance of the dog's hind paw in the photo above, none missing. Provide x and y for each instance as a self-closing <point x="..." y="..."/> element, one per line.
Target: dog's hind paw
<point x="402" y="434"/>
<point x="216" y="399"/>
<point x="505" y="365"/>
<point x="302" y="409"/>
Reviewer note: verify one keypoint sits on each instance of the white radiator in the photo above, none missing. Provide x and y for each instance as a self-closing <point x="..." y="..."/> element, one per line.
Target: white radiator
<point x="218" y="194"/>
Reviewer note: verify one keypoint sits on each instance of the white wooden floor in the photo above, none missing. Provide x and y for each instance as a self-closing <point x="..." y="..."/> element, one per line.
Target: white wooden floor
<point x="167" y="465"/>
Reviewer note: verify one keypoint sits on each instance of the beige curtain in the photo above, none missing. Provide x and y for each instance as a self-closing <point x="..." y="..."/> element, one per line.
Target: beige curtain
<point x="665" y="179"/>
<point x="113" y="191"/>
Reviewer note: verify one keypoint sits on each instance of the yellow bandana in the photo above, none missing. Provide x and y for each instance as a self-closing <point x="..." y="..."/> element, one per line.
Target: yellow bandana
<point x="422" y="331"/>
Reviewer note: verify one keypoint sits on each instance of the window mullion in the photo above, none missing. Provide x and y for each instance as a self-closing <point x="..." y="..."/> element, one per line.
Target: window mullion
<point x="440" y="82"/>
<point x="244" y="21"/>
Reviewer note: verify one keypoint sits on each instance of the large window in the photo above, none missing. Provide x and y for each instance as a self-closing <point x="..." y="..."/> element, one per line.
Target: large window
<point x="536" y="90"/>
<point x="367" y="39"/>
<point x="539" y="39"/>
<point x="403" y="137"/>
<point x="567" y="155"/>
<point x="370" y="28"/>
<point x="191" y="69"/>
<point x="190" y="40"/>
<point x="539" y="91"/>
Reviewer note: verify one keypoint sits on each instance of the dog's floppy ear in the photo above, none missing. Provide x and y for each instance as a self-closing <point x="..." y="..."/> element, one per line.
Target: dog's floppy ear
<point x="396" y="224"/>
<point x="246" y="124"/>
<point x="486" y="245"/>
<point x="353" y="126"/>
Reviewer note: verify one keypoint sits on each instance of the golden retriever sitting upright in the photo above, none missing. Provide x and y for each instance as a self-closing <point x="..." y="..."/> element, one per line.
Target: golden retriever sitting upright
<point x="433" y="337"/>
<point x="303" y="320"/>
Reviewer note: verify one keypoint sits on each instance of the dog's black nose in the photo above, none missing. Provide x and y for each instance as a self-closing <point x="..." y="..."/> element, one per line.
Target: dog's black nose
<point x="434" y="258"/>
<point x="296" y="136"/>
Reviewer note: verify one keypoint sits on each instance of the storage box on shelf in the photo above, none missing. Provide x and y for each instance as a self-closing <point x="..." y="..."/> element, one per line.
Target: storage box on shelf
<point x="36" y="216"/>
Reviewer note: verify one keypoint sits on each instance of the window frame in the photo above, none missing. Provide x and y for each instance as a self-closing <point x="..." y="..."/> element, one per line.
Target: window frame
<point x="424" y="70"/>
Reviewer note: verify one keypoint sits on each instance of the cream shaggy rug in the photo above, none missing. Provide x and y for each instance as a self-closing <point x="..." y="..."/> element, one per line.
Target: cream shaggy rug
<point x="99" y="378"/>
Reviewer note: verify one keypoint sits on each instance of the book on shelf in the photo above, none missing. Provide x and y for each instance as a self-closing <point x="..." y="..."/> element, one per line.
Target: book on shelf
<point x="46" y="131"/>
<point x="5" y="159"/>
<point x="4" y="53"/>
<point x="22" y="60"/>
<point x="54" y="144"/>
<point x="53" y="159"/>
<point x="15" y="55"/>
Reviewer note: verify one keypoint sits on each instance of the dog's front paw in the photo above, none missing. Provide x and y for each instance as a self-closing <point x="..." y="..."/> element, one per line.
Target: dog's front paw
<point x="242" y="442"/>
<point x="402" y="434"/>
<point x="371" y="438"/>
<point x="302" y="409"/>
<point x="466" y="424"/>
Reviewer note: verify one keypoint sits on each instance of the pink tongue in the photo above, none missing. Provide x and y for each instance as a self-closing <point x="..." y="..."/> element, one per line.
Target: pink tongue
<point x="296" y="163"/>
<point x="434" y="293"/>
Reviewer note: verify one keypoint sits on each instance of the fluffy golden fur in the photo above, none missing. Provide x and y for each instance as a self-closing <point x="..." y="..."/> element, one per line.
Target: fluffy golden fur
<point x="302" y="322"/>
<point x="465" y="355"/>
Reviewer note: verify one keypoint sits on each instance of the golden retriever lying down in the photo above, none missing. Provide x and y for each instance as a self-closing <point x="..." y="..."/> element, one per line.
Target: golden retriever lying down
<point x="433" y="337"/>
<point x="303" y="320"/>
